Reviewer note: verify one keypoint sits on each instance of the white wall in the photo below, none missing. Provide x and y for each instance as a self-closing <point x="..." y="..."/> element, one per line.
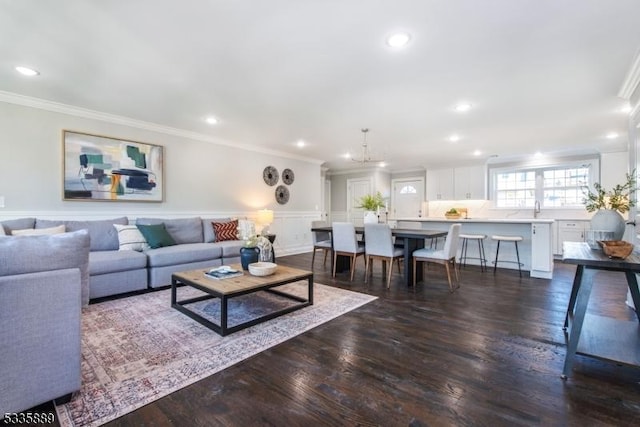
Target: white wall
<point x="201" y="178"/>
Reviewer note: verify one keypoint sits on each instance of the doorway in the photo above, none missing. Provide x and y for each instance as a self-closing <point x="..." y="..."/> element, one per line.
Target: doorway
<point x="356" y="189"/>
<point x="407" y="197"/>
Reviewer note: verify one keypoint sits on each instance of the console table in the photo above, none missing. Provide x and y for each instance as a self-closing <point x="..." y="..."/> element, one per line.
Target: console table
<point x="598" y="336"/>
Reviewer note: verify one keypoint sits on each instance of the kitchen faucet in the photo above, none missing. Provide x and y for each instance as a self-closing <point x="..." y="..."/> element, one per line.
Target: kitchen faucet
<point x="536" y="209"/>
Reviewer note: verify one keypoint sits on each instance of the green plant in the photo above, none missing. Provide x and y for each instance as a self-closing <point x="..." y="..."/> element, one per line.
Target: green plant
<point x="620" y="198"/>
<point x="371" y="202"/>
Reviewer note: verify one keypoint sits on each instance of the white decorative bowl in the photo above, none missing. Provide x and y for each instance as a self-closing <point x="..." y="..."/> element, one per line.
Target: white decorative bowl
<point x="262" y="268"/>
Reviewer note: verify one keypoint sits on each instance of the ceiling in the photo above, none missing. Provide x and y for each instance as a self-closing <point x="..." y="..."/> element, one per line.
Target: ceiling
<point x="541" y="75"/>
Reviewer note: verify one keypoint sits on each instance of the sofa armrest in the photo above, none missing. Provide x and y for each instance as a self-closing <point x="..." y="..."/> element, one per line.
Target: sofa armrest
<point x="40" y="332"/>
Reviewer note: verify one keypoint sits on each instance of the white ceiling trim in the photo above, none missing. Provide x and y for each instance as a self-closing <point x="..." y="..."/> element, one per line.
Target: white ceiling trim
<point x="631" y="80"/>
<point x="43" y="104"/>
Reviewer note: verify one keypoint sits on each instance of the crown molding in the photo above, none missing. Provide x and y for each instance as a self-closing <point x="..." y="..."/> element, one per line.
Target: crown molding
<point x="56" y="107"/>
<point x="631" y="80"/>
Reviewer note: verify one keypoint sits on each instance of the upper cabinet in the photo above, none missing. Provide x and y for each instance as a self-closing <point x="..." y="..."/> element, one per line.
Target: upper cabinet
<point x="469" y="183"/>
<point x="463" y="183"/>
<point x="440" y="184"/>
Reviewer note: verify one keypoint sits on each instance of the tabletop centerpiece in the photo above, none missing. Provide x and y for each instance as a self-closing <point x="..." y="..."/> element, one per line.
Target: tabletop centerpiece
<point x="371" y="203"/>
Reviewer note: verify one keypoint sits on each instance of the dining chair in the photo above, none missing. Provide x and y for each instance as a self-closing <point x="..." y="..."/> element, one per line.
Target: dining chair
<point x="321" y="240"/>
<point x="378" y="244"/>
<point x="346" y="244"/>
<point x="446" y="256"/>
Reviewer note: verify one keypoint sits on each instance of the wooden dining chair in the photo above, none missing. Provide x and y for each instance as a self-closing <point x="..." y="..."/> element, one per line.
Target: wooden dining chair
<point x="346" y="244"/>
<point x="378" y="244"/>
<point x="446" y="256"/>
<point x="321" y="240"/>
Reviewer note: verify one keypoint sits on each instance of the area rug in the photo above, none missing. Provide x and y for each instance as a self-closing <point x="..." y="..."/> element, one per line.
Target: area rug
<point x="138" y="349"/>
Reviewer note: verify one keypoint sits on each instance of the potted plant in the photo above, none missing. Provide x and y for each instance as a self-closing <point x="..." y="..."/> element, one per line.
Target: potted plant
<point x="371" y="203"/>
<point x="609" y="205"/>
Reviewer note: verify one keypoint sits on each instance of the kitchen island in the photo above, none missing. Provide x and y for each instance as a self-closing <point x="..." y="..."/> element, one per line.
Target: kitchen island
<point x="536" y="249"/>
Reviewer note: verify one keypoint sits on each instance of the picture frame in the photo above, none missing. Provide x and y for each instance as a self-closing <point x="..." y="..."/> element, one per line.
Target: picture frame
<point x="107" y="169"/>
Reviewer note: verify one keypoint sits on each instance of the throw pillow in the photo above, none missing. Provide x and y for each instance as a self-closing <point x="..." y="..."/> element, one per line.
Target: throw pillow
<point x="39" y="231"/>
<point x="156" y="235"/>
<point x="130" y="238"/>
<point x="226" y="230"/>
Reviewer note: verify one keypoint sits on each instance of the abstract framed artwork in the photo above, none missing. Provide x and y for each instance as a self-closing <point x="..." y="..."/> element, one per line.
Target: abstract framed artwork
<point x="100" y="168"/>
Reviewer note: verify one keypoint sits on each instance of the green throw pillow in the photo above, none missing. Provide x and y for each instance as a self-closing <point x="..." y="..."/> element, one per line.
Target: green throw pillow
<point x="156" y="235"/>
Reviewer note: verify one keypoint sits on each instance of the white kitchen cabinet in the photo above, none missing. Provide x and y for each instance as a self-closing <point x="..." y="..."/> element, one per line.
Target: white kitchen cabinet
<point x="571" y="231"/>
<point x="440" y="184"/>
<point x="541" y="250"/>
<point x="469" y="183"/>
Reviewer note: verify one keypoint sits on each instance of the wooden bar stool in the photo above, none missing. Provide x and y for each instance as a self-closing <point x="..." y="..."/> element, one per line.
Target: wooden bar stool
<point x="514" y="239"/>
<point x="481" y="254"/>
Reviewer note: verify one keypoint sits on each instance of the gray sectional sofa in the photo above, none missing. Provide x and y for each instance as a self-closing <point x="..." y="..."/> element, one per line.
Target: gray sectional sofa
<point x="113" y="271"/>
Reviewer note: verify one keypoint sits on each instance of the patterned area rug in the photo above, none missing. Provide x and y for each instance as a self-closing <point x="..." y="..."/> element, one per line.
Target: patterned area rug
<point x="136" y="350"/>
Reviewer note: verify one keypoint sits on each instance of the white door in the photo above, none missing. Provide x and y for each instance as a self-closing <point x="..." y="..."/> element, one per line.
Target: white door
<point x="407" y="198"/>
<point x="356" y="188"/>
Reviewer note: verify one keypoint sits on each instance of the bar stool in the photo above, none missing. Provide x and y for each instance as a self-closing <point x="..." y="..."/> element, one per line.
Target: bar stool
<point x="514" y="239"/>
<point x="481" y="254"/>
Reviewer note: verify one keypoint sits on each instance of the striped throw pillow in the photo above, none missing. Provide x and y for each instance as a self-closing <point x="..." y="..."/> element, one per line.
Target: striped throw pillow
<point x="226" y="230"/>
<point x="130" y="238"/>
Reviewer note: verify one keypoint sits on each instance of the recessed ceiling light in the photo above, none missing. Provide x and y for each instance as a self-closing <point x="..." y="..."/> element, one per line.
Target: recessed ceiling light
<point x="463" y="107"/>
<point x="26" y="71"/>
<point x="626" y="109"/>
<point x="300" y="143"/>
<point x="537" y="154"/>
<point x="398" y="39"/>
<point x="212" y="120"/>
<point x="346" y="155"/>
<point x="454" y="138"/>
<point x="382" y="164"/>
<point x="477" y="153"/>
<point x="612" y="135"/>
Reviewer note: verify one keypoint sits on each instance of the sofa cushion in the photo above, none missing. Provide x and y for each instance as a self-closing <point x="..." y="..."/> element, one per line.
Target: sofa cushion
<point x="156" y="235"/>
<point x="30" y="254"/>
<point x="182" y="254"/>
<point x="39" y="231"/>
<point x="104" y="236"/>
<point x="18" y="224"/>
<point x="225" y="230"/>
<point x="130" y="238"/>
<point x="103" y="262"/>
<point x="231" y="248"/>
<point x="183" y="230"/>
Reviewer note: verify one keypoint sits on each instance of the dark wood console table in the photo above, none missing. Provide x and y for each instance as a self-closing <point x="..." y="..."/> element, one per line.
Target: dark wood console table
<point x="598" y="336"/>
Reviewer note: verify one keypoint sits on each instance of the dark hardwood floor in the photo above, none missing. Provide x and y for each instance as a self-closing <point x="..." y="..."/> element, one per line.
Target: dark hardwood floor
<point x="489" y="354"/>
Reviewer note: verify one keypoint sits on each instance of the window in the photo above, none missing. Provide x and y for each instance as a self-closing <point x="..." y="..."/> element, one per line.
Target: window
<point x="554" y="186"/>
<point x="408" y="189"/>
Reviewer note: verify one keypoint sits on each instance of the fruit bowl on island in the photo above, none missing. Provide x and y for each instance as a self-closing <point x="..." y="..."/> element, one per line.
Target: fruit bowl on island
<point x="452" y="214"/>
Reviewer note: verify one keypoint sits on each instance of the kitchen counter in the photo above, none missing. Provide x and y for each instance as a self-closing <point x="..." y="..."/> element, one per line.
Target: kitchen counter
<point x="482" y="220"/>
<point x="536" y="249"/>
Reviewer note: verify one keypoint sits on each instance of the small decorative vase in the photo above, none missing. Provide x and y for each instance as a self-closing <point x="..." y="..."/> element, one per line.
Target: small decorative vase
<point x="609" y="220"/>
<point x="370" y="217"/>
<point x="248" y="255"/>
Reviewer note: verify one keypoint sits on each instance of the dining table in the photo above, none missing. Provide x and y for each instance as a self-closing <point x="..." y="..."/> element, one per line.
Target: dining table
<point x="413" y="239"/>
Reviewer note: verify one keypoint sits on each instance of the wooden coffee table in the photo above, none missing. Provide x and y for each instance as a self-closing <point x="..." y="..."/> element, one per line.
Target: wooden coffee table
<point x="233" y="287"/>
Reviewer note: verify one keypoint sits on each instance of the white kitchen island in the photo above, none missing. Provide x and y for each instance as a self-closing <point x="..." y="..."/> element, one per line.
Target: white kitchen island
<point x="536" y="249"/>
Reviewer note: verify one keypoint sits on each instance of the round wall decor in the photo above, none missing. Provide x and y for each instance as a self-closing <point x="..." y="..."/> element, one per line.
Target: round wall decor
<point x="282" y="194"/>
<point x="288" y="176"/>
<point x="270" y="175"/>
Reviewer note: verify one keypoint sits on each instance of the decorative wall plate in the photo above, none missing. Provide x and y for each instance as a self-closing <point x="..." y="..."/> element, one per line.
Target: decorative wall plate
<point x="282" y="194"/>
<point x="288" y="176"/>
<point x="270" y="175"/>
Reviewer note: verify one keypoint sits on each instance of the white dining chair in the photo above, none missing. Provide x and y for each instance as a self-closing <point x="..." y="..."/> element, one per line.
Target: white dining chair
<point x="378" y="244"/>
<point x="345" y="243"/>
<point x="446" y="256"/>
<point x="321" y="240"/>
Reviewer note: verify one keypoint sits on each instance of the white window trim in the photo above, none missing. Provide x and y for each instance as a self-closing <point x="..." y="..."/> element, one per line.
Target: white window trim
<point x="592" y="162"/>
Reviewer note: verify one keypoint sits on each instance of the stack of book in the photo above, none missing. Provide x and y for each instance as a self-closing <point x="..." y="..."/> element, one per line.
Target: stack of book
<point x="222" y="272"/>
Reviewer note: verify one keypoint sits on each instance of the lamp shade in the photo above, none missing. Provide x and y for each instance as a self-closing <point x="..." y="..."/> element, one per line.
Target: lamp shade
<point x="265" y="216"/>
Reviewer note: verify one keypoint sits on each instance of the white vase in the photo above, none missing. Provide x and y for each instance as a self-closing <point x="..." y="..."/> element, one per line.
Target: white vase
<point x="609" y="220"/>
<point x="370" y="217"/>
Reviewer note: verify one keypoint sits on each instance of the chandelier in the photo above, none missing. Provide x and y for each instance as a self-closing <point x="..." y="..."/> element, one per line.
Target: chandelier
<point x="366" y="156"/>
